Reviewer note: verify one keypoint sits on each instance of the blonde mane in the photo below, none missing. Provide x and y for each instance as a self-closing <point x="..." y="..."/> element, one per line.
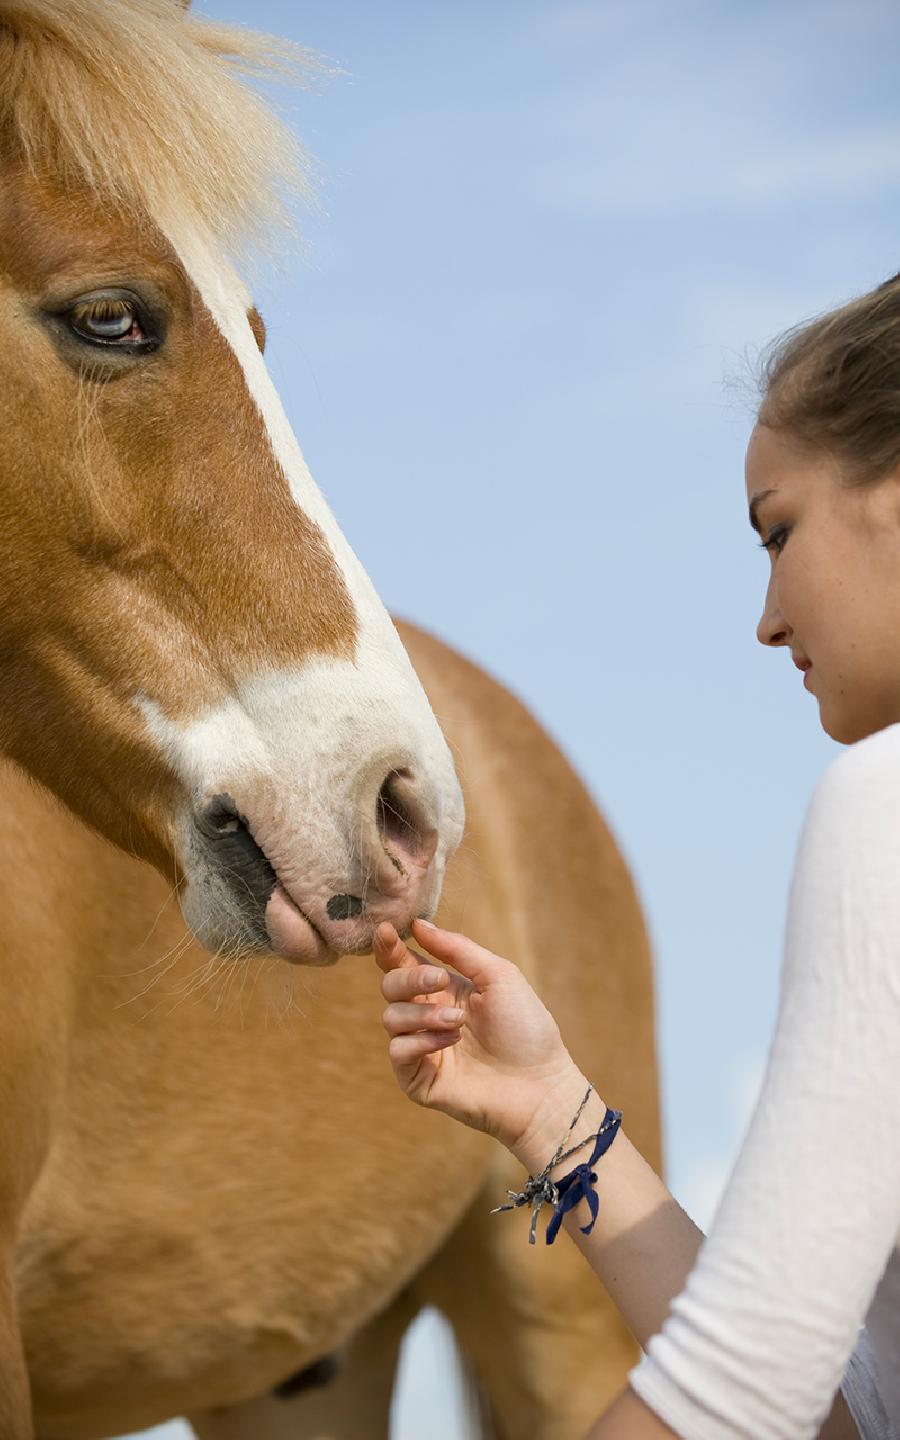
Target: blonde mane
<point x="143" y="104"/>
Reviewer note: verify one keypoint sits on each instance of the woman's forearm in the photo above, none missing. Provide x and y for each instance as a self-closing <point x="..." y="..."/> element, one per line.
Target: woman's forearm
<point x="477" y="1043"/>
<point x="643" y="1245"/>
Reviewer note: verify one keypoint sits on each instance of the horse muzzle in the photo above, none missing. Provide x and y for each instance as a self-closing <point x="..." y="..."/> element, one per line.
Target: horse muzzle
<point x="311" y="888"/>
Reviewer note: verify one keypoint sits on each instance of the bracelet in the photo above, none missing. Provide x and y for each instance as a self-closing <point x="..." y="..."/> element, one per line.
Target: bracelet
<point x="566" y="1192"/>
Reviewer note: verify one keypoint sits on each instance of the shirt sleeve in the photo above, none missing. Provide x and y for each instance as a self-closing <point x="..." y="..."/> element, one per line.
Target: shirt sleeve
<point x="755" y="1346"/>
<point x="860" y="1390"/>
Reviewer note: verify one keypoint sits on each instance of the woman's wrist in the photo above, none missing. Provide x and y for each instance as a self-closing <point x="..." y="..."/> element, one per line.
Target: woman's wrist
<point x="552" y="1118"/>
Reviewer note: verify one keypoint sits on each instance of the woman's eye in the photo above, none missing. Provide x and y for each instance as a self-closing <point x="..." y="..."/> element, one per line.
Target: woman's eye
<point x="108" y="322"/>
<point x="775" y="540"/>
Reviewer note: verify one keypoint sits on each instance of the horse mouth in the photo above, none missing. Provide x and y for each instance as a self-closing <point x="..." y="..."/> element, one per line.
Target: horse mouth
<point x="291" y="934"/>
<point x="272" y="917"/>
<point x="294" y="907"/>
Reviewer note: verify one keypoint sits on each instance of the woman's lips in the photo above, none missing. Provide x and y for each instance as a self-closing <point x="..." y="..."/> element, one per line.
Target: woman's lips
<point x="804" y="665"/>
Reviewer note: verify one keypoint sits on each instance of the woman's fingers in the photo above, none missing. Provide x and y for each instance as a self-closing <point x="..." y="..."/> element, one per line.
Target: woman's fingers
<point x="406" y="984"/>
<point x="406" y="976"/>
<point x="408" y="1050"/>
<point x="409" y="1018"/>
<point x="414" y="980"/>
<point x="477" y="964"/>
<point x="390" y="951"/>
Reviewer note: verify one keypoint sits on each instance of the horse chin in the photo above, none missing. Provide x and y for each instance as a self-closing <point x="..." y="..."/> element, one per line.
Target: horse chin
<point x="228" y="920"/>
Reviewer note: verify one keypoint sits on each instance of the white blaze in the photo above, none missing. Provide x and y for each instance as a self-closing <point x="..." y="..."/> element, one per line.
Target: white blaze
<point x="290" y="745"/>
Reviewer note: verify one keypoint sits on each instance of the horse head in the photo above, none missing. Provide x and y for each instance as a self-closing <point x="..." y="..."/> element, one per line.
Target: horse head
<point x="191" y="657"/>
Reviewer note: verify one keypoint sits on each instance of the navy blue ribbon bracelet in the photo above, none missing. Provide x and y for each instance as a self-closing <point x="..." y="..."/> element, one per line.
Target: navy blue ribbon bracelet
<point x="577" y="1185"/>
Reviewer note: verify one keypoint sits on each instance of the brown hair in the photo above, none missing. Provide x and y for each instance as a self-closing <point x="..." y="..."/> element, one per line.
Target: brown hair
<point x="833" y="383"/>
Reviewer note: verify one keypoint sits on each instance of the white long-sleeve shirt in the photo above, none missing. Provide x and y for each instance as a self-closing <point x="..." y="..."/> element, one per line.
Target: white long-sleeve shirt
<point x="805" y="1247"/>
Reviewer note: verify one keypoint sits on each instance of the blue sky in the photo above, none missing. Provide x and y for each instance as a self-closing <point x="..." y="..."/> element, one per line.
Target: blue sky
<point x="551" y="236"/>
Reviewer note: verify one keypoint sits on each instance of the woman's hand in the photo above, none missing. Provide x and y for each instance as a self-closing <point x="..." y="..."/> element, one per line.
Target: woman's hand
<point x="479" y="1044"/>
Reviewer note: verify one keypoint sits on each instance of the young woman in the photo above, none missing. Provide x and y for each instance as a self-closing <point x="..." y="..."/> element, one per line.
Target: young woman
<point x="786" y="1324"/>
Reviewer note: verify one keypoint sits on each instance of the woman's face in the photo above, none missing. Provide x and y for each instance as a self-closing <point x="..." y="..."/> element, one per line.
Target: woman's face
<point x="833" y="597"/>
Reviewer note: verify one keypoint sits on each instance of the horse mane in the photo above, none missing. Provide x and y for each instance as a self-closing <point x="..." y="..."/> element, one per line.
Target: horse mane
<point x="145" y="106"/>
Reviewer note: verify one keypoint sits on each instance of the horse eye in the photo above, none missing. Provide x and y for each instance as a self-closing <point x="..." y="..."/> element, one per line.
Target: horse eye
<point x="109" y="321"/>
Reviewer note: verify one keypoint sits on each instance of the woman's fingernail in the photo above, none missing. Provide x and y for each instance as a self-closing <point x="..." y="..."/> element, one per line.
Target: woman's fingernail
<point x="420" y="920"/>
<point x="451" y="1013"/>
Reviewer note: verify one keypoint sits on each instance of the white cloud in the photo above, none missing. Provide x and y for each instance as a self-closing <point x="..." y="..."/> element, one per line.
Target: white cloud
<point x="813" y="167"/>
<point x="567" y="27"/>
<point x="678" y="109"/>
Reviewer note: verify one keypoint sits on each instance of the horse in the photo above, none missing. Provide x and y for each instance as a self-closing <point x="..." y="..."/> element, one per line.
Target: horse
<point x="220" y="769"/>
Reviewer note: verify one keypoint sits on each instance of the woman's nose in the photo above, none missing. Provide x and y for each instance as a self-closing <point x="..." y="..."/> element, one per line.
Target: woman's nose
<point x="772" y="629"/>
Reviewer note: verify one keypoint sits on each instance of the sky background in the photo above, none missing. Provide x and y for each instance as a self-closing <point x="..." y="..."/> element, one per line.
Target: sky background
<point x="553" y="237"/>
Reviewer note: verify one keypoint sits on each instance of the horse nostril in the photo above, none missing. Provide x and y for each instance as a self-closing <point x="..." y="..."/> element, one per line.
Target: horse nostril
<point x="344" y="907"/>
<point x="234" y="853"/>
<point x="405" y="833"/>
<point x="221" y="816"/>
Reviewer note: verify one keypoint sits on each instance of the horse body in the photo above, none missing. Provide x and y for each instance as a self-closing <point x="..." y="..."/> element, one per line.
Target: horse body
<point x="204" y="1189"/>
<point x="230" y="1186"/>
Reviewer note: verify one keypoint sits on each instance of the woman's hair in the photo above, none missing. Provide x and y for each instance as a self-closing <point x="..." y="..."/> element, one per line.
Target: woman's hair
<point x="833" y="384"/>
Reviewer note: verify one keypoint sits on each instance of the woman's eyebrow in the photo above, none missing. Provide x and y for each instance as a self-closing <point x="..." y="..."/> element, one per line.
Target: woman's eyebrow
<point x="755" y="503"/>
